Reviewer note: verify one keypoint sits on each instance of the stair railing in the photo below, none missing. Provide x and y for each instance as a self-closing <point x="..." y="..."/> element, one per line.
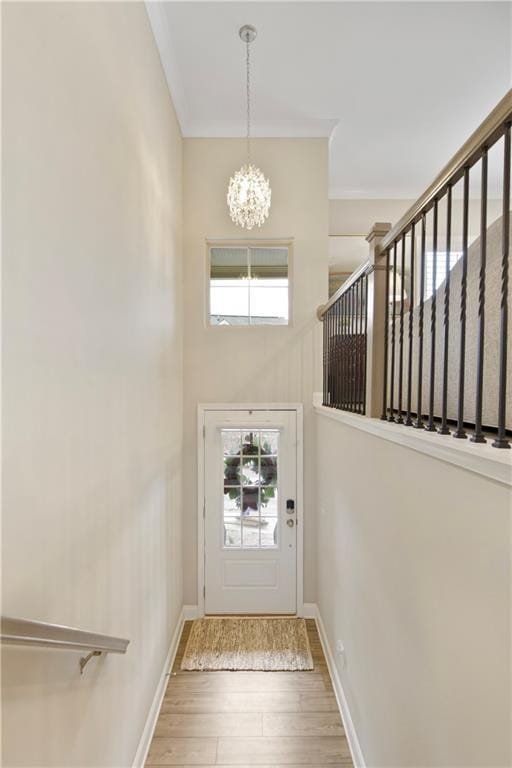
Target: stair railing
<point x="435" y="348"/>
<point x="57" y="636"/>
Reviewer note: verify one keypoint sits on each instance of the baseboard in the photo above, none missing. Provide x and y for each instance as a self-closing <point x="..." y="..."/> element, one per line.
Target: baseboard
<point x="154" y="710"/>
<point x="348" y="724"/>
<point x="190" y="612"/>
<point x="309" y="610"/>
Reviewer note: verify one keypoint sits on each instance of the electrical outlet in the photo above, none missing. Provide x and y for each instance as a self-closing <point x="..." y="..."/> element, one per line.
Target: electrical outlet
<point x="340" y="653"/>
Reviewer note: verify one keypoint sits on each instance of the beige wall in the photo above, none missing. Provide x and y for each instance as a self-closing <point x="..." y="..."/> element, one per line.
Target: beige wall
<point x="92" y="176"/>
<point x="273" y="364"/>
<point x="414" y="580"/>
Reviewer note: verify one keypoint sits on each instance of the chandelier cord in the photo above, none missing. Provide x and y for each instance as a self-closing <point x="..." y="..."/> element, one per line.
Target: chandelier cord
<point x="248" y="85"/>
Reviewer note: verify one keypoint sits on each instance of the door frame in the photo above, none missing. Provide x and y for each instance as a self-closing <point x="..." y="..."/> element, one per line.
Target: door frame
<point x="202" y="408"/>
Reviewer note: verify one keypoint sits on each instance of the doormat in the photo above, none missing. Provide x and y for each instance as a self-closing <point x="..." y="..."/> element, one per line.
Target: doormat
<point x="259" y="644"/>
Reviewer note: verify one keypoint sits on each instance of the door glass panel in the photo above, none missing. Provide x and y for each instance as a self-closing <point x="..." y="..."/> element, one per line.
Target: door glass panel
<point x="231" y="441"/>
<point x="250" y="470"/>
<point x="269" y="531"/>
<point x="250" y="467"/>
<point x="269" y="441"/>
<point x="269" y="506"/>
<point x="232" y="532"/>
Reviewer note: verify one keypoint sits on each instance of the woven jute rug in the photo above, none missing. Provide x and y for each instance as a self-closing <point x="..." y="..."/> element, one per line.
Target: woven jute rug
<point x="235" y="643"/>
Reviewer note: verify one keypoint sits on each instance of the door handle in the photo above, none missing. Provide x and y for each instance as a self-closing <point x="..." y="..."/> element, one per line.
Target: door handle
<point x="290" y="523"/>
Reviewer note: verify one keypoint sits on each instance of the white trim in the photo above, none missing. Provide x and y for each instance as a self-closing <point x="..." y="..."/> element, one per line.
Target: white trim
<point x="482" y="459"/>
<point x="201" y="410"/>
<point x="191" y="612"/>
<point x="154" y="710"/>
<point x="348" y="724"/>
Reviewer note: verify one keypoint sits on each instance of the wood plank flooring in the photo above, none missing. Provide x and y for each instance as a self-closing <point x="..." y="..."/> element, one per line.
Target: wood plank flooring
<point x="242" y="719"/>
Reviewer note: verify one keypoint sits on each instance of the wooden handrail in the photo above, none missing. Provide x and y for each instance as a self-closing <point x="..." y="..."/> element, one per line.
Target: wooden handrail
<point x="362" y="270"/>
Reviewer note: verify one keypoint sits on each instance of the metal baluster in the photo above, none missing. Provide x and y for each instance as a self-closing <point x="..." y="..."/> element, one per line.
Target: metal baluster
<point x="359" y="343"/>
<point x="460" y="431"/>
<point x="324" y="328"/>
<point x="478" y="437"/>
<point x="333" y="348"/>
<point x="501" y="439"/>
<point x="342" y="351"/>
<point x="399" y="419"/>
<point x="339" y="367"/>
<point x="329" y="355"/>
<point x="433" y="308"/>
<point x="392" y="377"/>
<point x="365" y="340"/>
<point x="350" y="348"/>
<point x="408" y="419"/>
<point x="384" y="414"/>
<point x="356" y="346"/>
<point x="443" y="429"/>
<point x="354" y="342"/>
<point x="419" y="415"/>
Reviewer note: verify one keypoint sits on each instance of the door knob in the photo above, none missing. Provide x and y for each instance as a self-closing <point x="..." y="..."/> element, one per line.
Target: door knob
<point x="290" y="523"/>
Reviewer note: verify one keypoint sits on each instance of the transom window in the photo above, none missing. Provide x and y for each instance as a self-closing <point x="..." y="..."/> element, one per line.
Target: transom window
<point x="249" y="285"/>
<point x="250" y="488"/>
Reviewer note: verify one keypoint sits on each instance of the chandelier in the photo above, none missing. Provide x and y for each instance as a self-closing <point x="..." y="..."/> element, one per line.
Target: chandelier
<point x="249" y="191"/>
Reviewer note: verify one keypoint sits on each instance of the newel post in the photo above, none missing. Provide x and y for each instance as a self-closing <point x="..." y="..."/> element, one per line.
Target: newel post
<point x="377" y="301"/>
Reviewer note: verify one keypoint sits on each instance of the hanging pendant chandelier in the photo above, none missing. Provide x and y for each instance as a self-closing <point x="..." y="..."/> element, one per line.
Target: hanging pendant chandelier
<point x="249" y="191"/>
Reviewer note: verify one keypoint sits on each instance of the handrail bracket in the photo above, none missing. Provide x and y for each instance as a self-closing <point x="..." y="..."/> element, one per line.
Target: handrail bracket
<point x="85" y="659"/>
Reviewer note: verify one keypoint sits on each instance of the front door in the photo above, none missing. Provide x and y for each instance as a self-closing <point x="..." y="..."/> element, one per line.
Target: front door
<point x="250" y="512"/>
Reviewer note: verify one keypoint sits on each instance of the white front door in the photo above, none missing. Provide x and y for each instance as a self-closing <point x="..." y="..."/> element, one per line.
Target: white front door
<point x="250" y="512"/>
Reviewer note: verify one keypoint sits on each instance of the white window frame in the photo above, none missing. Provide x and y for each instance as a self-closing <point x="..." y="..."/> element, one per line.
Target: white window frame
<point x="285" y="242"/>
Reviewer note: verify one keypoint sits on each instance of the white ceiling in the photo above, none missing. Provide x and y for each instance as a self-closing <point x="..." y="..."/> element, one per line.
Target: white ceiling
<point x="397" y="86"/>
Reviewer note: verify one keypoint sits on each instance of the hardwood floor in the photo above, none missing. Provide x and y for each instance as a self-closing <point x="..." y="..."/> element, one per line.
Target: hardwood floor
<point x="242" y="719"/>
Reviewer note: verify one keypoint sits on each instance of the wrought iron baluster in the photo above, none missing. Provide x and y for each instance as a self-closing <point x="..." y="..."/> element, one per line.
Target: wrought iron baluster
<point x="328" y="324"/>
<point x="460" y="432"/>
<point x="339" y="365"/>
<point x="343" y="343"/>
<point x="433" y="309"/>
<point x="443" y="429"/>
<point x="478" y="436"/>
<point x="399" y="418"/>
<point x="358" y="346"/>
<point x="392" y="377"/>
<point x="419" y="416"/>
<point x="324" y="360"/>
<point x="351" y="367"/>
<point x="501" y="439"/>
<point x="408" y="418"/>
<point x="384" y="414"/>
<point x="365" y="340"/>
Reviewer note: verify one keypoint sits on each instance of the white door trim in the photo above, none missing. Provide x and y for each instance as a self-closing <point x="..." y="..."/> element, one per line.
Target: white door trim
<point x="202" y="408"/>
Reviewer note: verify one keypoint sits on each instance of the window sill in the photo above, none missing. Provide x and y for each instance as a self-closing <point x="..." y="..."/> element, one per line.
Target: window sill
<point x="482" y="459"/>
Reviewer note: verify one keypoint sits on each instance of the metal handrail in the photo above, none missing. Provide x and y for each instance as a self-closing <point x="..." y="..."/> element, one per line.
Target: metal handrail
<point x="43" y="634"/>
<point x="354" y="277"/>
<point x="468" y="155"/>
